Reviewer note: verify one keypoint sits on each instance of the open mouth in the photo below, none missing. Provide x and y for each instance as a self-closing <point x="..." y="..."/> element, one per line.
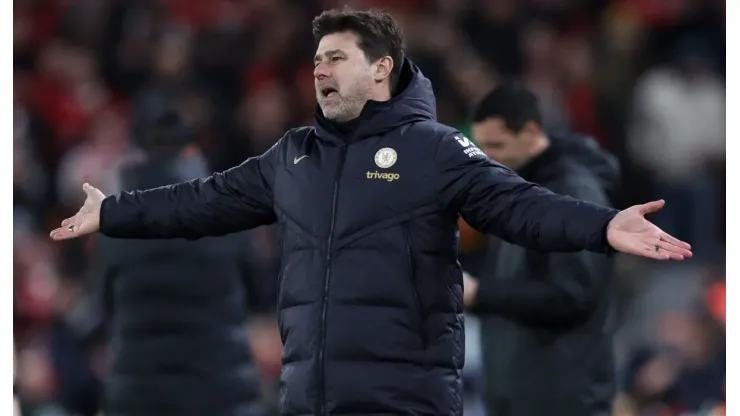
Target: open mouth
<point x="328" y="91"/>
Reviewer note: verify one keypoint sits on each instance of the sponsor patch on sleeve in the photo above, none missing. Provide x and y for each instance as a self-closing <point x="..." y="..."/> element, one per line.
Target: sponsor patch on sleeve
<point x="469" y="147"/>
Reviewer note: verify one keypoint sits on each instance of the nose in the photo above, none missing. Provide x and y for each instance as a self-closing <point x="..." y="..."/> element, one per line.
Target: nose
<point x="321" y="71"/>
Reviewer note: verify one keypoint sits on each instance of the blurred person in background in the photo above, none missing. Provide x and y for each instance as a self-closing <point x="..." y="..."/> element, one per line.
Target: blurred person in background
<point x="60" y="329"/>
<point x="684" y="372"/>
<point x="97" y="159"/>
<point x="16" y="402"/>
<point x="546" y="318"/>
<point x="178" y="309"/>
<point x="676" y="132"/>
<point x="401" y="222"/>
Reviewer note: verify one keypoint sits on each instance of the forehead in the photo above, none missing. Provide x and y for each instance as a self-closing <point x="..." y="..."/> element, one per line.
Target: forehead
<point x="491" y="129"/>
<point x="346" y="42"/>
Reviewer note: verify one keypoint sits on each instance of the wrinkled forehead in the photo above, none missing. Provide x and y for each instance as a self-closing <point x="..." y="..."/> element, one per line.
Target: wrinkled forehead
<point x="344" y="43"/>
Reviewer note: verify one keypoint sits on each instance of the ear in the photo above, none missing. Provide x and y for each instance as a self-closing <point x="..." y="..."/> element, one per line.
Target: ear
<point x="383" y="69"/>
<point x="530" y="128"/>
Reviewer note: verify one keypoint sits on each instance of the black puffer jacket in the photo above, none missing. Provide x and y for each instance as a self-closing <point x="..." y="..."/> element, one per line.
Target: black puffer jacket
<point x="370" y="298"/>
<point x="177" y="316"/>
<point x="546" y="321"/>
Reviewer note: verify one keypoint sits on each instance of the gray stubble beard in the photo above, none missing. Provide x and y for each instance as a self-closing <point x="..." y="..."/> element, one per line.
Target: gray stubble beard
<point x="350" y="107"/>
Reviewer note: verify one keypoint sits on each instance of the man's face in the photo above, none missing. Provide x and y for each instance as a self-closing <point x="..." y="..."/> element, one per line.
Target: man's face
<point x="343" y="77"/>
<point x="501" y="144"/>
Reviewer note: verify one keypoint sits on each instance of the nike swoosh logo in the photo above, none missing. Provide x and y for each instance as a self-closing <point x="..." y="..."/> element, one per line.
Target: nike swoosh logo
<point x="298" y="159"/>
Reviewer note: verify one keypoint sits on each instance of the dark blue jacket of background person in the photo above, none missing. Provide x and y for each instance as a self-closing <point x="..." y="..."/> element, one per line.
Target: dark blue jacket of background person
<point x="177" y="315"/>
<point x="546" y="319"/>
<point x="370" y="289"/>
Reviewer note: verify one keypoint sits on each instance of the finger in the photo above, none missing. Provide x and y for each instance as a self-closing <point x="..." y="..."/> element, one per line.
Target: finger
<point x="88" y="188"/>
<point x="650" y="252"/>
<point x="676" y="257"/>
<point x="63" y="233"/>
<point x="67" y="229"/>
<point x="651" y="207"/>
<point x="658" y="253"/>
<point x="665" y="245"/>
<point x="671" y="249"/>
<point x="69" y="221"/>
<point x="675" y="241"/>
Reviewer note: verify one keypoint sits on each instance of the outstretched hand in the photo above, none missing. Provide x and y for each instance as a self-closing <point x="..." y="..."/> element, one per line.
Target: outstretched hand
<point x="629" y="232"/>
<point x="87" y="219"/>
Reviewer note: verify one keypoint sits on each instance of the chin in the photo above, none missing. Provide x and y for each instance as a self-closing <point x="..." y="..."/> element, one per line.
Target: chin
<point x="332" y="114"/>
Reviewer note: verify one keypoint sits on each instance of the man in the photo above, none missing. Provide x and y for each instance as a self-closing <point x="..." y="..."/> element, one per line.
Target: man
<point x="545" y="317"/>
<point x="367" y="200"/>
<point x="16" y="402"/>
<point x="177" y="309"/>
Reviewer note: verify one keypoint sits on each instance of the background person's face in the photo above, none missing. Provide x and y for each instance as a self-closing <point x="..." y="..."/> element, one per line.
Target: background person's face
<point x="500" y="143"/>
<point x="342" y="76"/>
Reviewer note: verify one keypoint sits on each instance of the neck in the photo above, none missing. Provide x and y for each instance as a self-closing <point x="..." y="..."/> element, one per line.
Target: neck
<point x="381" y="93"/>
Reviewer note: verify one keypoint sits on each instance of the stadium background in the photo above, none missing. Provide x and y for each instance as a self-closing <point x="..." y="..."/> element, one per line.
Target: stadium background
<point x="240" y="72"/>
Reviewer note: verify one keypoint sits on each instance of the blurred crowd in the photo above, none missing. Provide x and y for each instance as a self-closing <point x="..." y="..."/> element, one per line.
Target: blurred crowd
<point x="644" y="78"/>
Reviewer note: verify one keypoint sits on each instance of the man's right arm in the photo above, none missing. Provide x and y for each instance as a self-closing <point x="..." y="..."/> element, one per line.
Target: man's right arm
<point x="237" y="199"/>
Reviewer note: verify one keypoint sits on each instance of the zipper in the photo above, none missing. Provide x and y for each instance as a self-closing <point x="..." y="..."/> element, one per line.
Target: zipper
<point x="281" y="277"/>
<point x="421" y="322"/>
<point x="322" y="347"/>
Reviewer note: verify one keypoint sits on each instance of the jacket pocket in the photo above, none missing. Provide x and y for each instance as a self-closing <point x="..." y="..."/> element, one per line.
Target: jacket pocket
<point x="418" y="306"/>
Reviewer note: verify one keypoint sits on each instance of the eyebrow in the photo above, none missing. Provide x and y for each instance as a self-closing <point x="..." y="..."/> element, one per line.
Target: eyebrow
<point x="328" y="54"/>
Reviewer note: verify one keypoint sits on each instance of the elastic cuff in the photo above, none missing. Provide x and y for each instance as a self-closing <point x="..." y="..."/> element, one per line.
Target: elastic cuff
<point x="606" y="247"/>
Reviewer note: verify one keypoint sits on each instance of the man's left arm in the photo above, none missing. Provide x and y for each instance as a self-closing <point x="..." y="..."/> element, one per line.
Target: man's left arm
<point x="572" y="287"/>
<point x="495" y="200"/>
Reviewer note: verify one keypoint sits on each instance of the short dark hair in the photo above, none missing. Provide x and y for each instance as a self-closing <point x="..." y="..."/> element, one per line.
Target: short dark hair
<point x="166" y="132"/>
<point x="378" y="32"/>
<point x="511" y="101"/>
